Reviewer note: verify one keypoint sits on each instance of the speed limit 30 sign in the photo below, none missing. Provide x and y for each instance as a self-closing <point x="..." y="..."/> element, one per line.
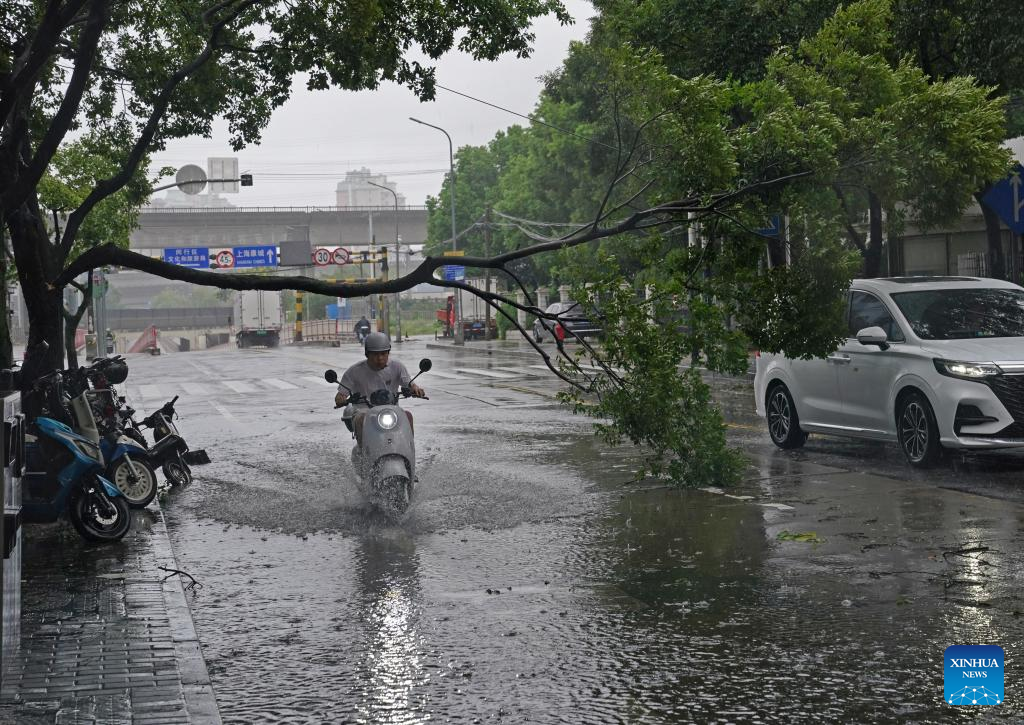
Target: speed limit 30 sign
<point x="321" y="256"/>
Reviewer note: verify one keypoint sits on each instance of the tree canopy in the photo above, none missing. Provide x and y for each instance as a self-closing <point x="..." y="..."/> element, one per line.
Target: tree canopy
<point x="837" y="125"/>
<point x="136" y="74"/>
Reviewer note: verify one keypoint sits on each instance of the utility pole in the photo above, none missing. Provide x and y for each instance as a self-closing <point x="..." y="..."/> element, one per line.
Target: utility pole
<point x="398" y="269"/>
<point x="487" y="273"/>
<point x="459" y="332"/>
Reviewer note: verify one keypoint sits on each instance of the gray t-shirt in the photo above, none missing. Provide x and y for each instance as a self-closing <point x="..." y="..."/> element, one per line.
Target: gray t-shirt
<point x="360" y="378"/>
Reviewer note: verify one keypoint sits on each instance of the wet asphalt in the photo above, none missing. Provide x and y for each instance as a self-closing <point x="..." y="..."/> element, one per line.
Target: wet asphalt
<point x="531" y="582"/>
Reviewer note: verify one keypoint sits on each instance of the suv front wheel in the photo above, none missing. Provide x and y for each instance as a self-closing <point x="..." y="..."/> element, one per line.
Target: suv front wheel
<point x="917" y="431"/>
<point x="783" y="422"/>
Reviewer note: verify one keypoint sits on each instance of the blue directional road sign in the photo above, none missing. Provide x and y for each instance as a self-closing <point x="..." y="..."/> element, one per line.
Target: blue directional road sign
<point x="255" y="256"/>
<point x="195" y="257"/>
<point x="774" y="228"/>
<point x="1006" y="199"/>
<point x="453" y="272"/>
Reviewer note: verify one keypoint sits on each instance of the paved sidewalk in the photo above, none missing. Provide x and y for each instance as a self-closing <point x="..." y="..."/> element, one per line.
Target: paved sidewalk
<point x="107" y="637"/>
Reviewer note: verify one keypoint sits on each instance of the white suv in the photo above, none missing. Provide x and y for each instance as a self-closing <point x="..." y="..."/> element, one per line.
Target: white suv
<point x="930" y="362"/>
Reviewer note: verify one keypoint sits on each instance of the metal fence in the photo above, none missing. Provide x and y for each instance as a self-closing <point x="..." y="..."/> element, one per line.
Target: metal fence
<point x="169" y="318"/>
<point x="273" y="209"/>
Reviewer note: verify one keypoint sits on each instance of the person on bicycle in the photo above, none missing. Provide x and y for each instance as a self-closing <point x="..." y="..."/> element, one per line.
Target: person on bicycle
<point x="377" y="371"/>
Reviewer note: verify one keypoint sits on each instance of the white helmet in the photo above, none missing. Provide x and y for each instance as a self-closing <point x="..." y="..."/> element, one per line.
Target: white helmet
<point x="376" y="342"/>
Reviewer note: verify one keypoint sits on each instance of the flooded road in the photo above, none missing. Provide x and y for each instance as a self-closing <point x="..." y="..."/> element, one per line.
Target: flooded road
<point x="528" y="584"/>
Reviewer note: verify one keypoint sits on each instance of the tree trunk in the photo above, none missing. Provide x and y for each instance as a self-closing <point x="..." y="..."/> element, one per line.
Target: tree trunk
<point x="6" y="350"/>
<point x="873" y="253"/>
<point x="34" y="255"/>
<point x="994" y="234"/>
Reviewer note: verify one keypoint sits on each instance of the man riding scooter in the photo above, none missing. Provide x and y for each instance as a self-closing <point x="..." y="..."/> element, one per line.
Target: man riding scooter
<point x="362" y="329"/>
<point x="377" y="371"/>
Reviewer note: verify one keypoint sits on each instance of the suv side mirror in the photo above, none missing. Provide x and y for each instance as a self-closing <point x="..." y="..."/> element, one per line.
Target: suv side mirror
<point x="873" y="336"/>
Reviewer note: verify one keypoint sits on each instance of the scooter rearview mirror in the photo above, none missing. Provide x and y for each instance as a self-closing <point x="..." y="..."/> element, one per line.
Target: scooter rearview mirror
<point x="425" y="364"/>
<point x="331" y="376"/>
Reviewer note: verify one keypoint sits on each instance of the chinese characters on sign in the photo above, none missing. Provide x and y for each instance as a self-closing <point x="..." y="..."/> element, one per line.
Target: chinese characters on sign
<point x="255" y="256"/>
<point x="203" y="258"/>
<point x="194" y="257"/>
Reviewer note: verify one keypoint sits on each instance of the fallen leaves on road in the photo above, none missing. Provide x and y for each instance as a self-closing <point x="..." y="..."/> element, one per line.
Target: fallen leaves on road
<point x="806" y="537"/>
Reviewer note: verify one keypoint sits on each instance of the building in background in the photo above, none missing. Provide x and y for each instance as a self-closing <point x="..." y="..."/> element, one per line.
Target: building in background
<point x="355" y="192"/>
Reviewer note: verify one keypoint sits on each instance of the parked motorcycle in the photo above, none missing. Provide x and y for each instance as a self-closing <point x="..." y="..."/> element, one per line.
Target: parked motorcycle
<point x="63" y="472"/>
<point x="169" y="447"/>
<point x="385" y="460"/>
<point x="94" y="412"/>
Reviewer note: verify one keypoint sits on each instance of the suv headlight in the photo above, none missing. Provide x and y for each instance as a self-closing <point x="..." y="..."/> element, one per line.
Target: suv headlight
<point x="967" y="370"/>
<point x="387" y="420"/>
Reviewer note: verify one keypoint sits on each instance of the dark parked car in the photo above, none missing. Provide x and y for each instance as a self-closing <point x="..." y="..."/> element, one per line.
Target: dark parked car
<point x="573" y="320"/>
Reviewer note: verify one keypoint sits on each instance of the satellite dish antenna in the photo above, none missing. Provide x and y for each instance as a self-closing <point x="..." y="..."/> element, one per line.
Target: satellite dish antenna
<point x="191" y="179"/>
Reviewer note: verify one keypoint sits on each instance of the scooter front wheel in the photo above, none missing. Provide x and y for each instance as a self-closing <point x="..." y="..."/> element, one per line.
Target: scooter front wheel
<point x="177" y="472"/>
<point x="135" y="479"/>
<point x="99" y="517"/>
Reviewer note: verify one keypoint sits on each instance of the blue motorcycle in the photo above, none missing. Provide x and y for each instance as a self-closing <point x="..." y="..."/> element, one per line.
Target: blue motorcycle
<point x="63" y="472"/>
<point x="129" y="466"/>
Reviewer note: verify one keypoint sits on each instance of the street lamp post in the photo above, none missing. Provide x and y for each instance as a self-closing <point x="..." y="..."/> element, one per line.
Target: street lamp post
<point x="398" y="299"/>
<point x="459" y="335"/>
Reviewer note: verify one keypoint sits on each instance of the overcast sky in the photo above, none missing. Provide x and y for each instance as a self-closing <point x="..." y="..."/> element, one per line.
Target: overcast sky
<point x="316" y="137"/>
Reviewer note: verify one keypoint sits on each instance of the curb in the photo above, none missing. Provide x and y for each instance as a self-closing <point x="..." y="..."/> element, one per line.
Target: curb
<point x="196" y="687"/>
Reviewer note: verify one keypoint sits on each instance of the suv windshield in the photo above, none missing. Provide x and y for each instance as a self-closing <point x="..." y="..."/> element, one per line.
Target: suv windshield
<point x="959" y="314"/>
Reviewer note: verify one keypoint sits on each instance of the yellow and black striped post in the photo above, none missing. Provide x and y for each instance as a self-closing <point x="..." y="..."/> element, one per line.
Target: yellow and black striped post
<point x="298" y="316"/>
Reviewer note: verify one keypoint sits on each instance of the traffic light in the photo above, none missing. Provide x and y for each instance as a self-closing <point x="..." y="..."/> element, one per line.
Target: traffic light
<point x="246" y="179"/>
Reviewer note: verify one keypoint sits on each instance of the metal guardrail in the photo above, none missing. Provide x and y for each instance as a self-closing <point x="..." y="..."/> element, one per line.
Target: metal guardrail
<point x="273" y="209"/>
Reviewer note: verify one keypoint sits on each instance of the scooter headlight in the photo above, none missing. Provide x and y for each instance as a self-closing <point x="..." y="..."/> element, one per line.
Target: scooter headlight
<point x="89" y="450"/>
<point x="387" y="420"/>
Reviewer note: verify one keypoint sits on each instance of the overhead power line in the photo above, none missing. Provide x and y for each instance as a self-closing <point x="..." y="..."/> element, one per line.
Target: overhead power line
<point x="531" y="119"/>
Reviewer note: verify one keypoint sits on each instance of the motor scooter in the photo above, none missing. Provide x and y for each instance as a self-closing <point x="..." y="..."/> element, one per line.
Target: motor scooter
<point x="63" y="472"/>
<point x="93" y="412"/>
<point x="169" y="447"/>
<point x="385" y="460"/>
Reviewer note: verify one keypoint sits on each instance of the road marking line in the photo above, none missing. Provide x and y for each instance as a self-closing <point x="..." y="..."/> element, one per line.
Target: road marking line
<point x="279" y="384"/>
<point x="485" y="373"/>
<point x="520" y="371"/>
<point x="150" y="391"/>
<point x="240" y="386"/>
<point x="321" y="381"/>
<point x="223" y="411"/>
<point x="206" y="373"/>
<point x="196" y="388"/>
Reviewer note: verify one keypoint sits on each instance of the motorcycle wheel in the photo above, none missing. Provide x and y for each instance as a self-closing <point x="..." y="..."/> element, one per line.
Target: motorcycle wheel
<point x="99" y="517"/>
<point x="137" y="483"/>
<point x="177" y="472"/>
<point x="395" y="497"/>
